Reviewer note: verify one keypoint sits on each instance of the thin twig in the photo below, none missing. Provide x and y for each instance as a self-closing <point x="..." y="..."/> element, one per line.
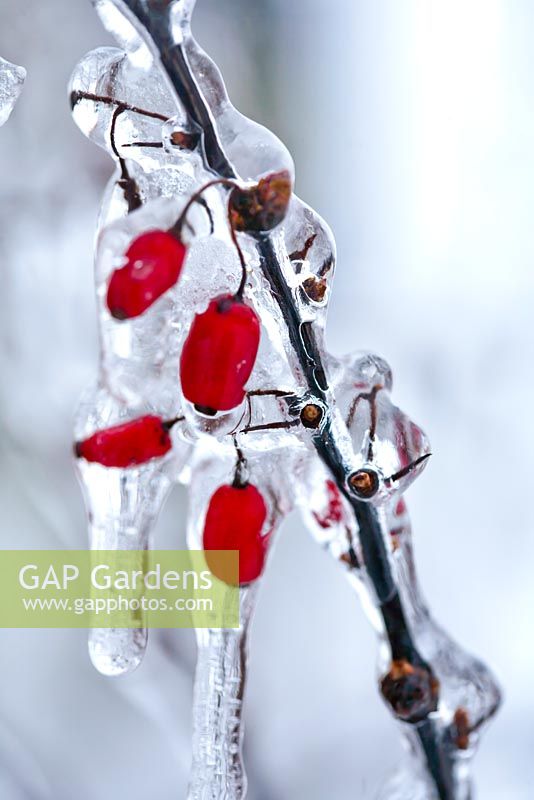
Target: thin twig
<point x="76" y="96"/>
<point x="272" y="426"/>
<point x="155" y="145"/>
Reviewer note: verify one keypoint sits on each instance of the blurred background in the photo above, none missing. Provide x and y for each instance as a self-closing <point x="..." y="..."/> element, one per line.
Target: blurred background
<point x="411" y="124"/>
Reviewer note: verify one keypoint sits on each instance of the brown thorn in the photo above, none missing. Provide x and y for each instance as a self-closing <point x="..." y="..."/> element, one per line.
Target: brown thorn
<point x="300" y="255"/>
<point x="111" y="101"/>
<point x="270" y="393"/>
<point x="272" y="426"/>
<point x="156" y="145"/>
<point x="406" y="471"/>
<point x="326" y="267"/>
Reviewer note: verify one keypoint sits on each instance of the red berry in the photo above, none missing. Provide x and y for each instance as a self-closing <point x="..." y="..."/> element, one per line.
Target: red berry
<point x="219" y="354"/>
<point x="154" y="262"/>
<point x="128" y="444"/>
<point x="234" y="521"/>
<point x="400" y="508"/>
<point x="333" y="513"/>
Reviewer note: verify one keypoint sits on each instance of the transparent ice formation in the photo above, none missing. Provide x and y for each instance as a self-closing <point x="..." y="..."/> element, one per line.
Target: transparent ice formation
<point x="11" y="82"/>
<point x="160" y="109"/>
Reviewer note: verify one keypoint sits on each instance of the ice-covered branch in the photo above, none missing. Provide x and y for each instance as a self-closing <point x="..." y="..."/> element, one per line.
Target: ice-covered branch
<point x="211" y="270"/>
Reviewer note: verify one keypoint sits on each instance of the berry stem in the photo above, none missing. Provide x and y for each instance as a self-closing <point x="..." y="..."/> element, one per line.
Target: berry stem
<point x="242" y="260"/>
<point x="176" y="229"/>
<point x="169" y="424"/>
<point x="241" y="472"/>
<point x="126" y="182"/>
<point x="196" y="198"/>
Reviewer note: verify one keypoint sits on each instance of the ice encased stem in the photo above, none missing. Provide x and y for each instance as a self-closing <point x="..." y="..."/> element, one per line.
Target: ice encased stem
<point x="382" y="434"/>
<point x="290" y="286"/>
<point x="217" y="765"/>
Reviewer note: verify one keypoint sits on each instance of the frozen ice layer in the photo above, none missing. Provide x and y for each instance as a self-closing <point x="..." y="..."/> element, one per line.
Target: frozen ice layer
<point x="11" y="82"/>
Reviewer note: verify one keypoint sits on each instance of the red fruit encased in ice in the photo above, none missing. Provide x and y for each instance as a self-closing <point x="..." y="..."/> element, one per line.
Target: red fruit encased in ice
<point x="154" y="263"/>
<point x="234" y="521"/>
<point x="127" y="445"/>
<point x="219" y="354"/>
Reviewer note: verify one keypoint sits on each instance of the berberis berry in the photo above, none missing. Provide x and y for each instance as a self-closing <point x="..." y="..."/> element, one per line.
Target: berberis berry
<point x="219" y="354"/>
<point x="234" y="521"/>
<point x="127" y="445"/>
<point x="154" y="263"/>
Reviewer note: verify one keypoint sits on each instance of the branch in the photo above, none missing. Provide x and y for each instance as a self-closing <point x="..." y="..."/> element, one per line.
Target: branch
<point x="154" y="17"/>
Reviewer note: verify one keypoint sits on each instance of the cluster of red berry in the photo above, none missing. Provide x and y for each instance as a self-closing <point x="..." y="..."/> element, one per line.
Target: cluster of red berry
<point x="217" y="360"/>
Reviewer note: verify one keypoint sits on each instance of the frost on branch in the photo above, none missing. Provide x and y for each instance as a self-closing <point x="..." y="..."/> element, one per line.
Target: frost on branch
<point x="11" y="82"/>
<point x="213" y="282"/>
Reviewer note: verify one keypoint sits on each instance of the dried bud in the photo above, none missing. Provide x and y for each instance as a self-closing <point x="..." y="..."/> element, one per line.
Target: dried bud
<point x="364" y="483"/>
<point x="412" y="692"/>
<point x="311" y="416"/>
<point x="461" y="729"/>
<point x="184" y="140"/>
<point x="315" y="289"/>
<point x="262" y="207"/>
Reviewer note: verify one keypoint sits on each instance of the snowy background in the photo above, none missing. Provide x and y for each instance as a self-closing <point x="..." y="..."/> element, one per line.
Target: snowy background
<point x="412" y="127"/>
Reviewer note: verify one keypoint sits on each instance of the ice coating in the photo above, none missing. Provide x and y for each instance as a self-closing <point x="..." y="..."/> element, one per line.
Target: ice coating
<point x="160" y="109"/>
<point x="11" y="82"/>
<point x="217" y="769"/>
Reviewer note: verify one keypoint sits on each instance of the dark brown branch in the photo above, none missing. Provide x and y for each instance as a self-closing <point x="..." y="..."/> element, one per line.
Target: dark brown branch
<point x="303" y="340"/>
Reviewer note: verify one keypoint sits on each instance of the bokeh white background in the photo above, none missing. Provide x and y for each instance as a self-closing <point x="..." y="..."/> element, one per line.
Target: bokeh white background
<point x="412" y="126"/>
